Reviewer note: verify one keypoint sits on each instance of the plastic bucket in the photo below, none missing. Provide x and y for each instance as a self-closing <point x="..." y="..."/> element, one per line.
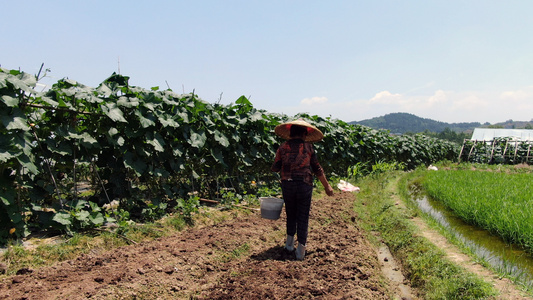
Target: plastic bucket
<point x="271" y="207"/>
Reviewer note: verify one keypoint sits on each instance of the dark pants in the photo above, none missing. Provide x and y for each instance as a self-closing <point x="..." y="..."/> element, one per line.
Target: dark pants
<point x="297" y="197"/>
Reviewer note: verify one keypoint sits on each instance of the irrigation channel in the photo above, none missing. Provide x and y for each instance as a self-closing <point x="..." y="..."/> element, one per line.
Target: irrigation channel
<point x="508" y="258"/>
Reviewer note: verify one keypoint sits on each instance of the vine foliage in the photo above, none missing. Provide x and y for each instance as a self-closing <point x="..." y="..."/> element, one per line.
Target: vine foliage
<point x="149" y="149"/>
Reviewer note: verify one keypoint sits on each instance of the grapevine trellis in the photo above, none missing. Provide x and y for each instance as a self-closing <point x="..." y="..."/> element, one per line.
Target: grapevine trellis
<point x="500" y="150"/>
<point x="151" y="150"/>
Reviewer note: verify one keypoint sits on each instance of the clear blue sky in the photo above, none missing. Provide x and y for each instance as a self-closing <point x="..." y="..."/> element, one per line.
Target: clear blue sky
<point x="452" y="61"/>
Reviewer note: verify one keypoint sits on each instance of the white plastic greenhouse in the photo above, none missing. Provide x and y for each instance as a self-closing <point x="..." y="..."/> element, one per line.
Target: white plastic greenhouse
<point x="489" y="134"/>
<point x="494" y="145"/>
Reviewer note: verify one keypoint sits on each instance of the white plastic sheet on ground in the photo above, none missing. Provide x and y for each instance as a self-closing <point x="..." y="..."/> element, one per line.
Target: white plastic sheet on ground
<point x="347" y="187"/>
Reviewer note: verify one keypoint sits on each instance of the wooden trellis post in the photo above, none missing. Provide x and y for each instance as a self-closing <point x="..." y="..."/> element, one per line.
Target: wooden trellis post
<point x="515" y="150"/>
<point x="462" y="148"/>
<point x="505" y="150"/>
<point x="471" y="149"/>
<point x="528" y="151"/>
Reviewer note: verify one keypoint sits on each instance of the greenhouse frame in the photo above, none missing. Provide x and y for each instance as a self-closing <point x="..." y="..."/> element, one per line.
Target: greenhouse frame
<point x="498" y="146"/>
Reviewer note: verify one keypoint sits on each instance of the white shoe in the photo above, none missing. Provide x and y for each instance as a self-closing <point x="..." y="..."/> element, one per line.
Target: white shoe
<point x="289" y="244"/>
<point x="300" y="252"/>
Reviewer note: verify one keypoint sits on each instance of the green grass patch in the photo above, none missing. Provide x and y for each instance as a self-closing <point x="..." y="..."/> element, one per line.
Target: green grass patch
<point x="235" y="253"/>
<point x="426" y="266"/>
<point x="17" y="257"/>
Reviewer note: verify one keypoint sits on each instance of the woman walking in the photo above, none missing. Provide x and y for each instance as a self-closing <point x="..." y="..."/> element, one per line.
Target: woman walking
<point x="297" y="162"/>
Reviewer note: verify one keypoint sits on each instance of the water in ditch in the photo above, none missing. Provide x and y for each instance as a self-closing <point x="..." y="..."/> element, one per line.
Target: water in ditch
<point x="512" y="259"/>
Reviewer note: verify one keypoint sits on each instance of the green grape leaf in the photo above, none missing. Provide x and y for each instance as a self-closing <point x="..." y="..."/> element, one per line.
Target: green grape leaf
<point x="113" y="112"/>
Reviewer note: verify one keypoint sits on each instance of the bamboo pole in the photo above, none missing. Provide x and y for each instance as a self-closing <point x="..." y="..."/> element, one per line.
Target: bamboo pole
<point x="62" y="109"/>
<point x="47" y="163"/>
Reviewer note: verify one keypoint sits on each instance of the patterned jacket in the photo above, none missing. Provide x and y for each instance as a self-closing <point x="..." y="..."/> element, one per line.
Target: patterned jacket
<point x="296" y="160"/>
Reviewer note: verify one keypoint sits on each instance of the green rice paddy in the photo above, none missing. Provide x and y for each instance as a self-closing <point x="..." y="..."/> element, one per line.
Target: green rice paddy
<point x="499" y="202"/>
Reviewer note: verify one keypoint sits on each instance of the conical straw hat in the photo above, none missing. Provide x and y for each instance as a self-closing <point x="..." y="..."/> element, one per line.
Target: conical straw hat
<point x="313" y="134"/>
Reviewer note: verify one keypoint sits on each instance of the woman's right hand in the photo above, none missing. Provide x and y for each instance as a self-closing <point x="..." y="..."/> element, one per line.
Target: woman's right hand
<point x="329" y="190"/>
<point x="325" y="183"/>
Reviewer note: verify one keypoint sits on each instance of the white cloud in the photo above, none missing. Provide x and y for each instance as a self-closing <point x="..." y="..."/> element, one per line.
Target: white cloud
<point x="386" y="97"/>
<point x="314" y="100"/>
<point x="514" y="95"/>
<point x="469" y="103"/>
<point x="438" y="97"/>
<point x="518" y="95"/>
<point x="441" y="105"/>
<point x="400" y="102"/>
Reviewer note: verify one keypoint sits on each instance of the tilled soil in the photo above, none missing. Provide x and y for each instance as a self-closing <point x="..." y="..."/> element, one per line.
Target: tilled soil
<point x="240" y="258"/>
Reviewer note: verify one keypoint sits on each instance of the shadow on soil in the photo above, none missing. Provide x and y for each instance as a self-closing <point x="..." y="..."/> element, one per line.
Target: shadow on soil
<point x="275" y="253"/>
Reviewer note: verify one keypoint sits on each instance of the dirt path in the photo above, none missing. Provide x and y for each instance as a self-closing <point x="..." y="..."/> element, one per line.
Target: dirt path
<point x="242" y="257"/>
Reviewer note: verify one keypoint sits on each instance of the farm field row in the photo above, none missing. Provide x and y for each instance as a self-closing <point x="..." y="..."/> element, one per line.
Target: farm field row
<point x="210" y="260"/>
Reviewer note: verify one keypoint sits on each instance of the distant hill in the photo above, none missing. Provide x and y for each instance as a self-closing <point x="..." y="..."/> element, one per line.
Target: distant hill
<point x="405" y="122"/>
<point x="510" y="124"/>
